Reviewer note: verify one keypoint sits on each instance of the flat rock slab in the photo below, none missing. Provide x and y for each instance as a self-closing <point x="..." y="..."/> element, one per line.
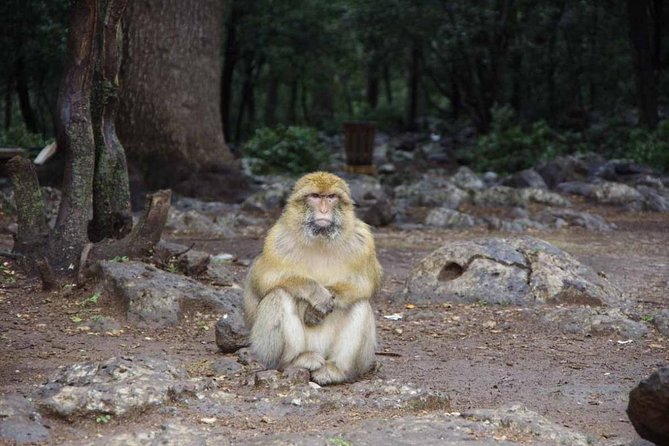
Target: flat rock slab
<point x="504" y="427"/>
<point x="19" y="421"/>
<point x="587" y="321"/>
<point x="520" y="271"/>
<point x="158" y="298"/>
<point x="118" y="386"/>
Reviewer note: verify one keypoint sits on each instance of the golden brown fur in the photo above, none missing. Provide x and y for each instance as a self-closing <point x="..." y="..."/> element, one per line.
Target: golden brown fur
<point x="307" y="295"/>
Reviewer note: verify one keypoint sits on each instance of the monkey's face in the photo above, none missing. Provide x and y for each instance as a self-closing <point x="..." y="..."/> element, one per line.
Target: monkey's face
<point x="323" y="216"/>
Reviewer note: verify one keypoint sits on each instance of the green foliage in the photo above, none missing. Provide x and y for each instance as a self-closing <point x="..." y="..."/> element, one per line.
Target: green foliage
<point x="92" y="300"/>
<point x="283" y="149"/>
<point x="19" y="136"/>
<point x="510" y="147"/>
<point x="7" y="273"/>
<point x="103" y="419"/>
<point x="648" y="147"/>
<point x="338" y="441"/>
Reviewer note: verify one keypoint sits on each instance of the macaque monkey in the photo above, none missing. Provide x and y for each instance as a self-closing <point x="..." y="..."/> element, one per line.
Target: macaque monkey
<point x="306" y="298"/>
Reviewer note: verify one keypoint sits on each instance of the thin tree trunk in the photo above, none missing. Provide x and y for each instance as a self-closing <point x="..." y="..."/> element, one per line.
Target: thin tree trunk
<point x="372" y="85"/>
<point x="245" y="102"/>
<point x="231" y="57"/>
<point x="386" y="81"/>
<point x="641" y="38"/>
<point x="413" y="82"/>
<point x="292" y="103"/>
<point x="75" y="138"/>
<point x="112" y="217"/>
<point x="271" y="100"/>
<point x="8" y="98"/>
<point x="23" y="93"/>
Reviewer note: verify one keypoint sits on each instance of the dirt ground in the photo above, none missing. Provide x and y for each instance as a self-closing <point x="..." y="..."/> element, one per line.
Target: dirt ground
<point x="481" y="356"/>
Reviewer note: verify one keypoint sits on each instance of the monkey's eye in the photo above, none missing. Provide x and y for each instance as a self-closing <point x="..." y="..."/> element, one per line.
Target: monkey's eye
<point x="331" y="196"/>
<point x="314" y="195"/>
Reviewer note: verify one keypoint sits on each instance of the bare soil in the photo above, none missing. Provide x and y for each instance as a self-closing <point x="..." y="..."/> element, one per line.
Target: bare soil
<point x="481" y="356"/>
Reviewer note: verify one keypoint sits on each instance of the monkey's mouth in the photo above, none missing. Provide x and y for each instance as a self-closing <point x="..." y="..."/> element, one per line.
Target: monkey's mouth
<point x="322" y="222"/>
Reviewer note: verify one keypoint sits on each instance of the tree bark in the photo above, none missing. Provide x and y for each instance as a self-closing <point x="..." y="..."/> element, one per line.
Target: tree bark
<point x="170" y="111"/>
<point x="112" y="217"/>
<point x="373" y="85"/>
<point x="8" y="97"/>
<point x="413" y="83"/>
<point x="75" y="138"/>
<point x="231" y="57"/>
<point x="271" y="100"/>
<point x="62" y="252"/>
<point x="642" y="38"/>
<point x="23" y="93"/>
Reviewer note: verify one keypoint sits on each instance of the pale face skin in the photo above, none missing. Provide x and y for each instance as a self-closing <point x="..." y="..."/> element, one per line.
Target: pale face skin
<point x="322" y="206"/>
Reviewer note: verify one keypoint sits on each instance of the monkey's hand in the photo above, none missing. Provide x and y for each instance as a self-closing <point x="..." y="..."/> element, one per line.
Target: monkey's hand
<point x="312" y="316"/>
<point x="321" y="302"/>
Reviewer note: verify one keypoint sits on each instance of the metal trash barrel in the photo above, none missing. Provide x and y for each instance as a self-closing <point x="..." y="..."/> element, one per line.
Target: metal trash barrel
<point x="359" y="147"/>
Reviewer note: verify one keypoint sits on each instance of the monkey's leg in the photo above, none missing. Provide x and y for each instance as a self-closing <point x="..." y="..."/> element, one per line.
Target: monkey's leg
<point x="354" y="344"/>
<point x="277" y="336"/>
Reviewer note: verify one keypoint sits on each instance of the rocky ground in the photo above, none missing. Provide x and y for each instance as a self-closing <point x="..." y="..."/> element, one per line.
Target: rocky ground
<point x="515" y="310"/>
<point x="437" y="361"/>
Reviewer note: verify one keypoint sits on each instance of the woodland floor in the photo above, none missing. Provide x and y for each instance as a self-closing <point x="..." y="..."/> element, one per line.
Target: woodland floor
<point x="580" y="382"/>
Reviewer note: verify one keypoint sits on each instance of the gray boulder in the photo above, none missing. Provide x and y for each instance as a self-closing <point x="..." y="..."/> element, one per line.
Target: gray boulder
<point x="569" y="168"/>
<point x="19" y="421"/>
<point x="654" y="199"/>
<point x="526" y="178"/>
<point x="661" y="322"/>
<point x="158" y="298"/>
<point x="648" y="407"/>
<point x="195" y="222"/>
<point x="271" y="198"/>
<point x="505" y="196"/>
<point x="118" y="386"/>
<point x="231" y="334"/>
<point x="516" y="225"/>
<point x="576" y="188"/>
<point x="374" y="206"/>
<point x="466" y="179"/>
<point x="430" y="191"/>
<point x="520" y="271"/>
<point x="449" y="218"/>
<point x="615" y="193"/>
<point x="587" y="321"/>
<point x="559" y="217"/>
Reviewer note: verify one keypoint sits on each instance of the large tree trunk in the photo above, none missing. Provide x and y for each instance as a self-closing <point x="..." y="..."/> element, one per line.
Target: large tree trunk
<point x="640" y="14"/>
<point x="170" y="112"/>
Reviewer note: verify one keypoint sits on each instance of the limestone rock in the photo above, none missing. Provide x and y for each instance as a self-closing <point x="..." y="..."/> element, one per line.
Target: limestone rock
<point x="520" y="271"/>
<point x="595" y="321"/>
<point x="449" y="218"/>
<point x="19" y="421"/>
<point x="430" y="191"/>
<point x="118" y="386"/>
<point x="158" y="298"/>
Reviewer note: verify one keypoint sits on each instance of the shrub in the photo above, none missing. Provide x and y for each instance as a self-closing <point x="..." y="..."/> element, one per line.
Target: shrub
<point x="294" y="150"/>
<point x="648" y="147"/>
<point x="19" y="136"/>
<point x="510" y="147"/>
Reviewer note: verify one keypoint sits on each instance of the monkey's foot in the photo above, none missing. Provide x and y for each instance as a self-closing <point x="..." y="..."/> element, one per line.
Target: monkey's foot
<point x="328" y="374"/>
<point x="308" y="360"/>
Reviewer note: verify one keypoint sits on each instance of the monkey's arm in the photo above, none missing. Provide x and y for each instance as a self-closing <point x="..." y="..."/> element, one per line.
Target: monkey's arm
<point x="270" y="274"/>
<point x="359" y="286"/>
